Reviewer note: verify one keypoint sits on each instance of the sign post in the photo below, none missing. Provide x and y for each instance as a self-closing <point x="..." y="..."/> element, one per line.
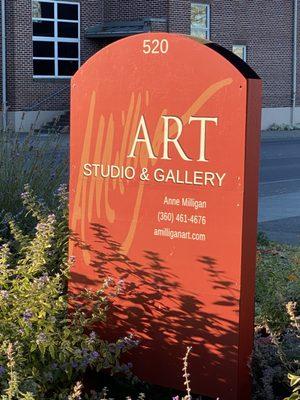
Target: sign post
<point x="163" y="196"/>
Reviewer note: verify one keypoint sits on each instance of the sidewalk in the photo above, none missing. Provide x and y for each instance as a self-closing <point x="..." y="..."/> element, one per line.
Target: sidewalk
<point x="273" y="136"/>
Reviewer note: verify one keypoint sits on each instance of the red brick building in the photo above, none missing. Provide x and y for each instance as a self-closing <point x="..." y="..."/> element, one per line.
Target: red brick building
<point x="45" y="41"/>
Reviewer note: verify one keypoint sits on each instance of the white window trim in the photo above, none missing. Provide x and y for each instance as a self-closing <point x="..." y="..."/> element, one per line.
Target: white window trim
<point x="207" y="29"/>
<point x="208" y="21"/>
<point x="57" y="1"/>
<point x="244" y="46"/>
<point x="57" y="39"/>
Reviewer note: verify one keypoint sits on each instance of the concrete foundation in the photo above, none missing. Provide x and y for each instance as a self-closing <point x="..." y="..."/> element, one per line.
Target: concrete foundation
<point x="278" y="116"/>
<point x="25" y="121"/>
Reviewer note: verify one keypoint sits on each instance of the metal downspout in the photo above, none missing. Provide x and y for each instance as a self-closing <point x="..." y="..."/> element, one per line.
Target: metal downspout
<point x="294" y="78"/>
<point x="4" y="93"/>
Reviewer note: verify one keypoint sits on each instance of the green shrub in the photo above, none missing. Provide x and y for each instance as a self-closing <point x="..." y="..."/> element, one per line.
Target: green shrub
<point x="277" y="283"/>
<point x="262" y="239"/>
<point x="277" y="335"/>
<point x="51" y="349"/>
<point x="44" y="352"/>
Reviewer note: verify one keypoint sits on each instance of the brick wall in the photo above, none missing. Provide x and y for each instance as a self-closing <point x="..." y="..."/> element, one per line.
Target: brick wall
<point x="179" y="16"/>
<point x="298" y="58"/>
<point x="134" y="9"/>
<point x="0" y="66"/>
<point x="24" y="90"/>
<point x="264" y="26"/>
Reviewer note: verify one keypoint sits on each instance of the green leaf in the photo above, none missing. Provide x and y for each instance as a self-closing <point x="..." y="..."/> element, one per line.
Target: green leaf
<point x="33" y="347"/>
<point x="294" y="379"/>
<point x="52" y="351"/>
<point x="42" y="349"/>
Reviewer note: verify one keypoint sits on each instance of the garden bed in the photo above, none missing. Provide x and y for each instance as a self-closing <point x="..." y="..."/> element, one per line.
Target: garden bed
<point x="44" y="352"/>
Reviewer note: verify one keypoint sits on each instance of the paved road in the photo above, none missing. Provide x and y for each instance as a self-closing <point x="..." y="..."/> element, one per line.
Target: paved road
<point x="279" y="195"/>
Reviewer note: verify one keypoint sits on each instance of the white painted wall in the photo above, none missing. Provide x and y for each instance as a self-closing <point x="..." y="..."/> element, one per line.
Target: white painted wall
<point x="279" y="116"/>
<point x="25" y="121"/>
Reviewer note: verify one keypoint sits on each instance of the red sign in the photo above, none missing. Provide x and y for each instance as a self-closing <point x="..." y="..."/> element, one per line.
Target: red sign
<point x="163" y="191"/>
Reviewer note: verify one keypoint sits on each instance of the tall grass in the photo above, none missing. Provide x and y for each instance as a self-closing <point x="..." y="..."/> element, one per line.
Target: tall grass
<point x="38" y="160"/>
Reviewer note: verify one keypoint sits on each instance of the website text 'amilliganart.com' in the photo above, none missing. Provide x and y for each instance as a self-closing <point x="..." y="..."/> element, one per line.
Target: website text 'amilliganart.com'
<point x="172" y="234"/>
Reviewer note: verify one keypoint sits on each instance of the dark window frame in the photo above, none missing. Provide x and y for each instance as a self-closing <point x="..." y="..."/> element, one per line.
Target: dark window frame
<point x="56" y="39"/>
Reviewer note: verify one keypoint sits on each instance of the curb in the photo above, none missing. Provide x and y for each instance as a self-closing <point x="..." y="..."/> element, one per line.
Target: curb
<point x="280" y="136"/>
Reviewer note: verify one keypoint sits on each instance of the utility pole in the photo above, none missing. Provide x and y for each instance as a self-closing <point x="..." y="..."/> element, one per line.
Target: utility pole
<point x="294" y="77"/>
<point x="4" y="92"/>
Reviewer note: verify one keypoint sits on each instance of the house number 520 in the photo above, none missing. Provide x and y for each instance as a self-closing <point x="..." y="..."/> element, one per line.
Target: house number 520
<point x="155" y="46"/>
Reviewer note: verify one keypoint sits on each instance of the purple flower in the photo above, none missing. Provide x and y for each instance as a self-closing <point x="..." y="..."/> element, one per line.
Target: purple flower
<point x="74" y="364"/>
<point x="130" y="341"/>
<point x="4" y="294"/>
<point x="94" y="355"/>
<point x="176" y="398"/>
<point x="61" y="189"/>
<point x="25" y="195"/>
<point x="51" y="218"/>
<point x="2" y="370"/>
<point x="41" y="226"/>
<point x="84" y="352"/>
<point x="41" y="338"/>
<point x="27" y="315"/>
<point x="92" y="338"/>
<point x="42" y="280"/>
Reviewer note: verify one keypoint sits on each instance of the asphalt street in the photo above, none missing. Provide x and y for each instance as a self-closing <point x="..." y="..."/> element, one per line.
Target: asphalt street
<point x="279" y="188"/>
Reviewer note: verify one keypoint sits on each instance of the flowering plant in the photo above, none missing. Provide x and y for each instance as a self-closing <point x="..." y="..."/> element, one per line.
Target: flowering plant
<point x="51" y="348"/>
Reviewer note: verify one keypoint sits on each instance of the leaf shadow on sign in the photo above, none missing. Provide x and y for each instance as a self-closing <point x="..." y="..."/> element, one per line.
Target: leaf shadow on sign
<point x="167" y="318"/>
<point x="77" y="277"/>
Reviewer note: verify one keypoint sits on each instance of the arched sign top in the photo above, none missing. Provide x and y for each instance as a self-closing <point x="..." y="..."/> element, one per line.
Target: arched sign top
<point x="163" y="196"/>
<point x="225" y="54"/>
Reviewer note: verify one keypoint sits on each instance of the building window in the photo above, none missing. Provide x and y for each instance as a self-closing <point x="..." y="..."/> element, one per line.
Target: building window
<point x="240" y="50"/>
<point x="56" y="38"/>
<point x="200" y="19"/>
